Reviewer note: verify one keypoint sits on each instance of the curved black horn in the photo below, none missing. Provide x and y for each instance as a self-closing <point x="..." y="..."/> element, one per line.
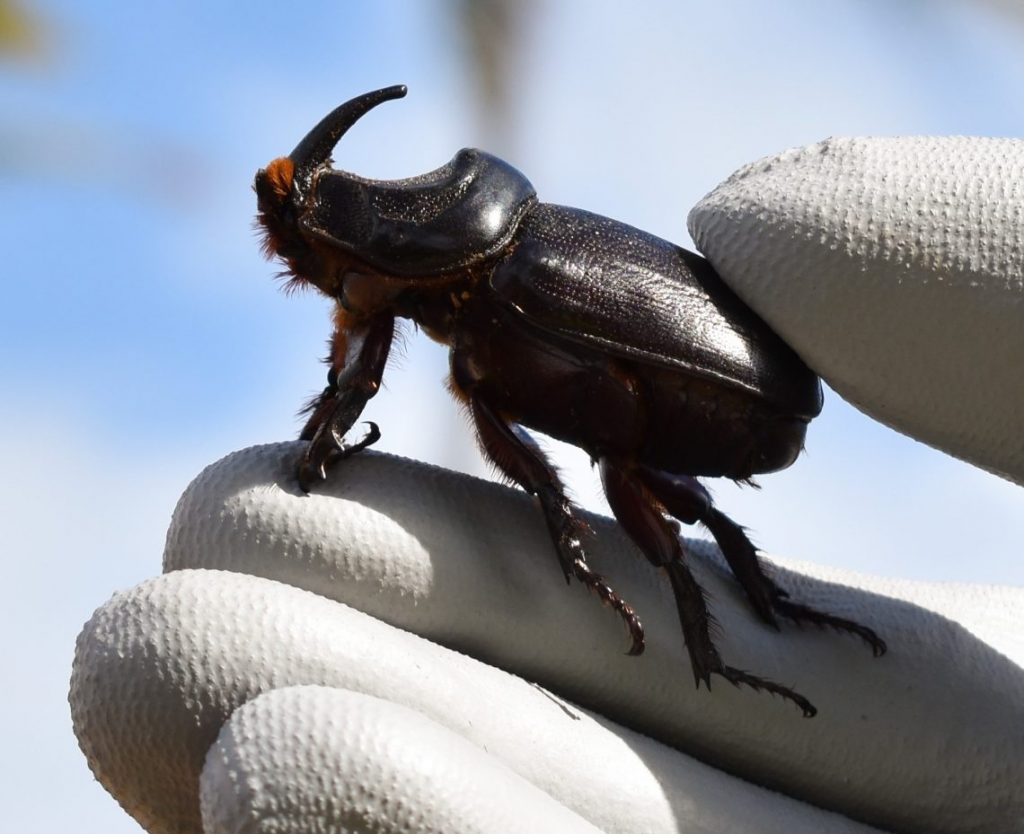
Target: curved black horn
<point x="316" y="147"/>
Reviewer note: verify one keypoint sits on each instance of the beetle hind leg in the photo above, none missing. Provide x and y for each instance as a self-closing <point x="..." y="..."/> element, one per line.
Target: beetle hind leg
<point x="518" y="458"/>
<point x="688" y="501"/>
<point x="639" y="511"/>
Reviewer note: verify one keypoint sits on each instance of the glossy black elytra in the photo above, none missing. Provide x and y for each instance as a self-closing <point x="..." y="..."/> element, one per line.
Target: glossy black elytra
<point x="559" y="320"/>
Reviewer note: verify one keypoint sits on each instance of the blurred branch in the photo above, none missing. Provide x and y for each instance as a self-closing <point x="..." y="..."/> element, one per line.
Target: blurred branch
<point x="22" y="33"/>
<point x="1011" y="10"/>
<point x="492" y="39"/>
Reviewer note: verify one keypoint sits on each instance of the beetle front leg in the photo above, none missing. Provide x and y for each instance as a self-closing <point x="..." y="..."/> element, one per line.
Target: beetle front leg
<point x="354" y="378"/>
<point x="521" y="460"/>
<point x="639" y="512"/>
<point x="689" y="502"/>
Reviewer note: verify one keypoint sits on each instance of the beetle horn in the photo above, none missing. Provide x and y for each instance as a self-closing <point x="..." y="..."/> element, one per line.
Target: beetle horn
<point x="316" y="147"/>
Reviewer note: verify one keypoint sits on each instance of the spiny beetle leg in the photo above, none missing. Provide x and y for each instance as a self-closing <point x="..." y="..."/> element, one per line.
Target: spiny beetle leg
<point x="520" y="459"/>
<point x="639" y="512"/>
<point x="319" y="453"/>
<point x="567" y="532"/>
<point x="339" y="406"/>
<point x="799" y="613"/>
<point x="692" y="603"/>
<point x="328" y="442"/>
<point x="742" y="558"/>
<point x="737" y="677"/>
<point x="688" y="501"/>
<point x="319" y="409"/>
<point x="318" y="457"/>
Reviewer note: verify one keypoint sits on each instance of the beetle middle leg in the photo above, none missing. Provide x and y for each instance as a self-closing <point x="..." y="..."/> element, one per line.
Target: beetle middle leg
<point x="685" y="499"/>
<point x="515" y="453"/>
<point x="639" y="511"/>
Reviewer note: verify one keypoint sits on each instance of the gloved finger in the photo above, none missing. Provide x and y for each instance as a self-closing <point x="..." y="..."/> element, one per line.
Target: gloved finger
<point x="894" y="268"/>
<point x="312" y="758"/>
<point x="469" y="564"/>
<point x="160" y="669"/>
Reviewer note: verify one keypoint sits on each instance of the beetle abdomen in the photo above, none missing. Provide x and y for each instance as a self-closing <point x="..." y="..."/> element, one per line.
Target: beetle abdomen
<point x="603" y="283"/>
<point x="660" y="416"/>
<point x="697" y="426"/>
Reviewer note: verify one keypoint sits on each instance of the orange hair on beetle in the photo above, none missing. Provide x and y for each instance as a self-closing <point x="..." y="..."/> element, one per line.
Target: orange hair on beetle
<point x="280" y="173"/>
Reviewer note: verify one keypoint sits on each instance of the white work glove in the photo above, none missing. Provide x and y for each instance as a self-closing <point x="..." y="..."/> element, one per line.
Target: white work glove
<point x="225" y="697"/>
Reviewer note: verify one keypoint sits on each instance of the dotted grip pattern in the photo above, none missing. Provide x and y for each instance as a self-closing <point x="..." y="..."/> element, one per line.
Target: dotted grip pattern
<point x="260" y="594"/>
<point x="895" y="268"/>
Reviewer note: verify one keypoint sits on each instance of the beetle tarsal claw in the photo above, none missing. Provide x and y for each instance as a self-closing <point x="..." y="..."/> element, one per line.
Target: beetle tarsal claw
<point x="326" y="448"/>
<point x="738" y="677"/>
<point x="800" y="614"/>
<point x="708" y="663"/>
<point x="596" y="583"/>
<point x="371" y="437"/>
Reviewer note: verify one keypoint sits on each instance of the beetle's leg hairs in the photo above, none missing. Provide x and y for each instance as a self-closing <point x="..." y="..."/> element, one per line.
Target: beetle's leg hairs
<point x="519" y="458"/>
<point x="349" y="388"/>
<point x="641" y="514"/>
<point x="684" y="498"/>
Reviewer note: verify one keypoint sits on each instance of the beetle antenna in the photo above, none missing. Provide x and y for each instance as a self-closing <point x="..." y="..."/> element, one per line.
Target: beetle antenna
<point x="315" y="149"/>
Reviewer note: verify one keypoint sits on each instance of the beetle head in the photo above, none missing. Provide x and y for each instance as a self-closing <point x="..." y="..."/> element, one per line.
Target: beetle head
<point x="285" y="190"/>
<point x="325" y="224"/>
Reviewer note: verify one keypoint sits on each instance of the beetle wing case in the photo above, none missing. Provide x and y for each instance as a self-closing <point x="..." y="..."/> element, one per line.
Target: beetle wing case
<point x="603" y="283"/>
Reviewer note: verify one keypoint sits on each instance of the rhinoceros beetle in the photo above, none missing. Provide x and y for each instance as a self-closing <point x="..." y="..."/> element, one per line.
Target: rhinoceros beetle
<point x="560" y="320"/>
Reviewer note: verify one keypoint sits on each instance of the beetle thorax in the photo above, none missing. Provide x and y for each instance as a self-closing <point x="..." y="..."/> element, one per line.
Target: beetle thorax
<point x="432" y="303"/>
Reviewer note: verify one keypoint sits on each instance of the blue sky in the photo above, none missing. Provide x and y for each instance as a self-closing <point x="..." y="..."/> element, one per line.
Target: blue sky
<point x="142" y="335"/>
